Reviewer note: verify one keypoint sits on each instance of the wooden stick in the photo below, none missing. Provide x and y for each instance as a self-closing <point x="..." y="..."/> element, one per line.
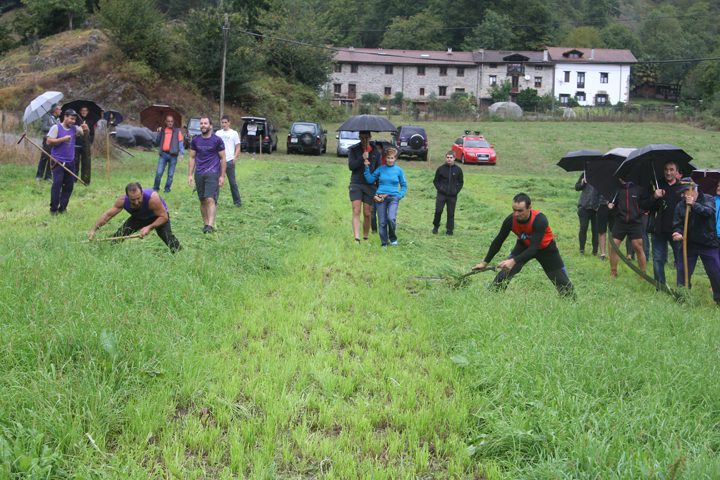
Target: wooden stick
<point x="123" y="150"/>
<point x="113" y="238"/>
<point x="51" y="158"/>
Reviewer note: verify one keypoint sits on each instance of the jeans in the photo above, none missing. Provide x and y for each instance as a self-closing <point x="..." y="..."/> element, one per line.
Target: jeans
<point x="387" y="214"/>
<point x="588" y="217"/>
<point x="440" y="201"/>
<point x="62" y="187"/>
<point x="230" y="172"/>
<point x="660" y="253"/>
<point x="169" y="160"/>
<point x="711" y="262"/>
<point x="43" y="170"/>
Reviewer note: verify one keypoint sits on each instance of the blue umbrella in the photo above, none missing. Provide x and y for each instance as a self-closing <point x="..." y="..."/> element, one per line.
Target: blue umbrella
<point x="117" y="117"/>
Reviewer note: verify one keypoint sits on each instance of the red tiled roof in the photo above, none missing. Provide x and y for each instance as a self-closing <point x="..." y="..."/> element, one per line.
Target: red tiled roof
<point x="497" y="56"/>
<point x="404" y="57"/>
<point x="600" y="55"/>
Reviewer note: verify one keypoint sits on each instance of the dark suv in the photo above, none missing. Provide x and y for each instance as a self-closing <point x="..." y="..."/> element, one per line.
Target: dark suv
<point x="411" y="142"/>
<point x="265" y="131"/>
<point x="307" y="137"/>
<point x="192" y="129"/>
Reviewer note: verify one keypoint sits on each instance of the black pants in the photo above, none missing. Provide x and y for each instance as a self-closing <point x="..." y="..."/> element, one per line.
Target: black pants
<point x="551" y="262"/>
<point x="440" y="203"/>
<point x="588" y="217"/>
<point x="373" y="218"/>
<point x="43" y="170"/>
<point x="164" y="231"/>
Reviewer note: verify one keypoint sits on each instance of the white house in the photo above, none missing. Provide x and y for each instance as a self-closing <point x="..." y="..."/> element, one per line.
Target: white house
<point x="594" y="76"/>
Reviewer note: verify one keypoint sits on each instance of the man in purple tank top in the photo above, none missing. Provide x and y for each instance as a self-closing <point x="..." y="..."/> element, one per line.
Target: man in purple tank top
<point x="147" y="212"/>
<point x="61" y="138"/>
<point x="207" y="151"/>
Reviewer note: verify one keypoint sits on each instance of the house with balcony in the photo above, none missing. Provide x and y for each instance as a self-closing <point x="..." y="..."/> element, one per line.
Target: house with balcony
<point x="594" y="76"/>
<point x="521" y="68"/>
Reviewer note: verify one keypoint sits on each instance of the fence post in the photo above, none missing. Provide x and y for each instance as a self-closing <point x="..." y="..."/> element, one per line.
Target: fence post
<point x="3" y="127"/>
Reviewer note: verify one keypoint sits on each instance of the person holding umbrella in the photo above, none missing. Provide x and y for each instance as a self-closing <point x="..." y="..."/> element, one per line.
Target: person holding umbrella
<point x="588" y="204"/>
<point x="665" y="199"/>
<point x="61" y="138"/>
<point x="701" y="237"/>
<point x="52" y="117"/>
<point x="362" y="193"/>
<point x="628" y="208"/>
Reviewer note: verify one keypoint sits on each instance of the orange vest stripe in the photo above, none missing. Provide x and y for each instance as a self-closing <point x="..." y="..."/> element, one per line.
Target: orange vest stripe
<point x="524" y="232"/>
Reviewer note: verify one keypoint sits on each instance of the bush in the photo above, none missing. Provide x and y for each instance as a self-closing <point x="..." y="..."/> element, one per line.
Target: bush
<point x="528" y="99"/>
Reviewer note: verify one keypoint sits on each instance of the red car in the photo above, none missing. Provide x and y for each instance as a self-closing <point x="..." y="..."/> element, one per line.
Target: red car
<point x="474" y="149"/>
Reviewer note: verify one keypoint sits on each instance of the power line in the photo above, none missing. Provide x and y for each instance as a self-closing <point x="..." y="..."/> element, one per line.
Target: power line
<point x="444" y="60"/>
<point x="551" y="24"/>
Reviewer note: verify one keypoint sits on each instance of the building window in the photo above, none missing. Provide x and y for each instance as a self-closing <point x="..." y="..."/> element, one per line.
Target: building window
<point x="603" y="77"/>
<point x="493" y="79"/>
<point x="492" y="65"/>
<point x="338" y="88"/>
<point x="581" y="79"/>
<point x="538" y="67"/>
<point x="353" y="68"/>
<point x="460" y="71"/>
<point x="422" y="91"/>
<point x="574" y="55"/>
<point x="580" y="96"/>
<point x="567" y="77"/>
<point x="538" y="82"/>
<point x="388" y="91"/>
<point x="388" y="69"/>
<point x="338" y="68"/>
<point x="460" y="90"/>
<point x="601" y="100"/>
<point x="564" y="98"/>
<point x="421" y="70"/>
<point x="442" y="91"/>
<point x="443" y="71"/>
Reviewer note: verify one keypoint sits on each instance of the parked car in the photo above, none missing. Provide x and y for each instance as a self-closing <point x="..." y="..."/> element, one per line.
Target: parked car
<point x="307" y="137"/>
<point x="474" y="149"/>
<point x="345" y="141"/>
<point x="266" y="132"/>
<point x="411" y="142"/>
<point x="191" y="129"/>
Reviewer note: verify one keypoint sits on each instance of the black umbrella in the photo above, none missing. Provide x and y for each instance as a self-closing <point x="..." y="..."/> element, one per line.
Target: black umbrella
<point x="576" y="161"/>
<point x="600" y="173"/>
<point x="94" y="115"/>
<point x="649" y="160"/>
<point x="707" y="180"/>
<point x="116" y="119"/>
<point x="366" y="123"/>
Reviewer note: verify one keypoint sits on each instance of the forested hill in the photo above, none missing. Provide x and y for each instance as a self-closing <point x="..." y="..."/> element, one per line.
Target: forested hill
<point x="185" y="36"/>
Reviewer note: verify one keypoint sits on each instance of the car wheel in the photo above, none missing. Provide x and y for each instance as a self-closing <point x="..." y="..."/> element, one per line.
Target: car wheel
<point x="416" y="142"/>
<point x="462" y="159"/>
<point x="423" y="157"/>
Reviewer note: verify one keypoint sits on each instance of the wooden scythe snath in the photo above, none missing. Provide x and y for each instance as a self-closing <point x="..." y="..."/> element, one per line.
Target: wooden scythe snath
<point x="51" y="158"/>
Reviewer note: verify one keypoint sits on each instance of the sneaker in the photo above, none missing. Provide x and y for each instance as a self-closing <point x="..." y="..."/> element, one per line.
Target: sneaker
<point x="39" y="179"/>
<point x="52" y="214"/>
<point x="64" y="210"/>
<point x="384" y="246"/>
<point x="602" y="257"/>
<point x="205" y="228"/>
<point x="209" y="229"/>
<point x="614" y="273"/>
<point x="48" y="180"/>
<point x="357" y="241"/>
<point x="167" y="191"/>
<point x="449" y="233"/>
<point x="365" y="238"/>
<point x="434" y="231"/>
<point x="582" y="252"/>
<point x="394" y="244"/>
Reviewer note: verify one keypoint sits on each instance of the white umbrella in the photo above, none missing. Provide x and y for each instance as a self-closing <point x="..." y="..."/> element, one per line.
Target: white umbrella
<point x="40" y="106"/>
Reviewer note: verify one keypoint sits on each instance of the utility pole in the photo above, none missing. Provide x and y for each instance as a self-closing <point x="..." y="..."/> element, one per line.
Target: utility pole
<point x="222" y="81"/>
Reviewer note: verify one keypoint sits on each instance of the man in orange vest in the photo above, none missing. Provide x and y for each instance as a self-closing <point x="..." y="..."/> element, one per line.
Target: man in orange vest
<point x="534" y="240"/>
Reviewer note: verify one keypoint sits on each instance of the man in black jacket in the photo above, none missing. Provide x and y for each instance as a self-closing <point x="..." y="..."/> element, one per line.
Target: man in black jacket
<point x="662" y="211"/>
<point x="588" y="203"/>
<point x="52" y="117"/>
<point x="702" y="239"/>
<point x="629" y="209"/>
<point x="448" y="183"/>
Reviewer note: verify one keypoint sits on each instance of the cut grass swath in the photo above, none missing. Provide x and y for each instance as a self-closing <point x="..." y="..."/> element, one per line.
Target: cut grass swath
<point x="455" y="280"/>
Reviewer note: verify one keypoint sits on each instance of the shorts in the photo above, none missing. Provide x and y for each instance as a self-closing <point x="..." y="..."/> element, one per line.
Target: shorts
<point x="366" y="192"/>
<point x="632" y="230"/>
<point x="207" y="185"/>
<point x="603" y="219"/>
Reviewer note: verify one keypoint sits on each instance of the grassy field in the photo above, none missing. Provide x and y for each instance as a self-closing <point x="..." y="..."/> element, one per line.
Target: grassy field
<point x="275" y="348"/>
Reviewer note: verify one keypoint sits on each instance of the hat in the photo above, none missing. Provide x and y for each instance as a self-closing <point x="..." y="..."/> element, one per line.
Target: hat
<point x="70" y="111"/>
<point x="687" y="183"/>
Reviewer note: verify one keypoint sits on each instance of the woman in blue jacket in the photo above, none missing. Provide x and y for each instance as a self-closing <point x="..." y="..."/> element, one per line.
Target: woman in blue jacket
<point x="391" y="178"/>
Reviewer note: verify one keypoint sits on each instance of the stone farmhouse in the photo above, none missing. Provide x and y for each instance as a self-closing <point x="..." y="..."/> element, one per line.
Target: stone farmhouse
<point x="593" y="76"/>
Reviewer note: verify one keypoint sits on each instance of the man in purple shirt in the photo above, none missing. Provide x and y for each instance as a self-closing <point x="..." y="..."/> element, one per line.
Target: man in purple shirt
<point x="208" y="152"/>
<point x="61" y="138"/>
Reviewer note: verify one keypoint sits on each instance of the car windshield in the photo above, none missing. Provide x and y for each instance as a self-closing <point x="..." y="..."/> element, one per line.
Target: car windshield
<point x="194" y="124"/>
<point x="350" y="135"/>
<point x="410" y="131"/>
<point x="476" y="144"/>
<point x="299" y="128"/>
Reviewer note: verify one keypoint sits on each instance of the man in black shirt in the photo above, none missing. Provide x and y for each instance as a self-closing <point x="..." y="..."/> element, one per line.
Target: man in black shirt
<point x="662" y="210"/>
<point x="448" y="183"/>
<point x="534" y="240"/>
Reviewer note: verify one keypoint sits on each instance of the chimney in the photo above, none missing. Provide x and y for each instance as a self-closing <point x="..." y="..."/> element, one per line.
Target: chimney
<point x="545" y="55"/>
<point x="351" y="49"/>
<point x="449" y="51"/>
<point x="592" y="54"/>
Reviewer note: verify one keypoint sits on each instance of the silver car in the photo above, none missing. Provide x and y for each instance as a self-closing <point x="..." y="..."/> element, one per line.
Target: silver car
<point x="345" y="141"/>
